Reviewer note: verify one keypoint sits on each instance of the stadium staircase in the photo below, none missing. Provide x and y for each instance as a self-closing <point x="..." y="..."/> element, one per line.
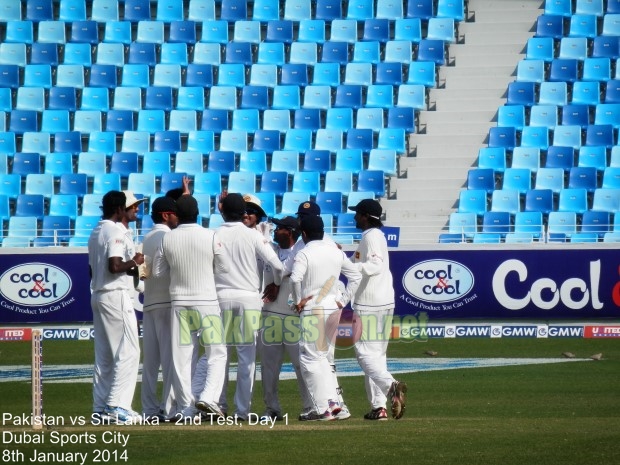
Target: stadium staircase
<point x="461" y="110"/>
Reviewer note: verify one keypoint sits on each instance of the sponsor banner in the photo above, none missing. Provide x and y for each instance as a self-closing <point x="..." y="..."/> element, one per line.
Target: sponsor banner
<point x="15" y="334"/>
<point x="392" y="235"/>
<point x="508" y="284"/>
<point x="529" y="284"/>
<point x="602" y="331"/>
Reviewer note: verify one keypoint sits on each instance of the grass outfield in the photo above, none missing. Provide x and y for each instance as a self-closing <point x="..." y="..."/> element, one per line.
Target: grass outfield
<point x="564" y="413"/>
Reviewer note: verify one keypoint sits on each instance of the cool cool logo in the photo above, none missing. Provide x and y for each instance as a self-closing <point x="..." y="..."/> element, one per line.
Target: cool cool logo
<point x="438" y="280"/>
<point x="35" y="284"/>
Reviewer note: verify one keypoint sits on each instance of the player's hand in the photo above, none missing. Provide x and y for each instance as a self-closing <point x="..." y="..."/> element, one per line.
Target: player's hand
<point x="223" y="195"/>
<point x="270" y="293"/>
<point x="186" y="180"/>
<point x="302" y="303"/>
<point x="138" y="258"/>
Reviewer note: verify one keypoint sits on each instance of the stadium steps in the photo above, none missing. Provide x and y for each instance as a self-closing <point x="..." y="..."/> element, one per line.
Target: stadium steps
<point x="453" y="130"/>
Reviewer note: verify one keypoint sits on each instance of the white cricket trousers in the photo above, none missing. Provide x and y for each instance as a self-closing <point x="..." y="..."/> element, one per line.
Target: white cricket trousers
<point x="157" y="351"/>
<point x="186" y="326"/>
<point x="271" y="358"/>
<point x="314" y="349"/>
<point x="370" y="351"/>
<point x="241" y="314"/>
<point x="117" y="349"/>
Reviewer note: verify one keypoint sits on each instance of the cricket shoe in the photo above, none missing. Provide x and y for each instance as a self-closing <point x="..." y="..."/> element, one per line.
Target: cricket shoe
<point x="378" y="413"/>
<point x="398" y="398"/>
<point x="315" y="416"/>
<point x="121" y="416"/>
<point x="343" y="414"/>
<point x="269" y="415"/>
<point x="209" y="408"/>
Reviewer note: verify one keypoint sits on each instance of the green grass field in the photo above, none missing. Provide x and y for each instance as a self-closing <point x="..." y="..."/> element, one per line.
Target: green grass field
<point x="564" y="413"/>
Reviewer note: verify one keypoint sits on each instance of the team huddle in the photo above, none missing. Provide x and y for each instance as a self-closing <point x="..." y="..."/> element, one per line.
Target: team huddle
<point x="245" y="286"/>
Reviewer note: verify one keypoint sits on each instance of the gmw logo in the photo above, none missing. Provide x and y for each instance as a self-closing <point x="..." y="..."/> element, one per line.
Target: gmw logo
<point x="438" y="280"/>
<point x="35" y="284"/>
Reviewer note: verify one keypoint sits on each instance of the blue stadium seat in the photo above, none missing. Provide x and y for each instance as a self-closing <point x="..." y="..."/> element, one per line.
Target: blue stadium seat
<point x="583" y="177"/>
<point x="92" y="163"/>
<point x="392" y="139"/>
<point x="511" y="116"/>
<point x="596" y="69"/>
<point x="141" y="53"/>
<point x="39" y="142"/>
<point x="151" y="121"/>
<point x="279" y="120"/>
<point x="189" y="162"/>
<point x="274" y="182"/>
<point x="600" y="134"/>
<point x="233" y="140"/>
<point x="611" y="24"/>
<point x="73" y="183"/>
<point x="539" y="200"/>
<point x="576" y="114"/>
<point x="215" y="120"/>
<point x="190" y="98"/>
<point x="197" y="75"/>
<point x="44" y="54"/>
<point x="317" y="160"/>
<point x="358" y="138"/>
<point x="540" y="48"/>
<point x="611" y="178"/>
<point x="105" y="182"/>
<point x="572" y="48"/>
<point x="10" y="75"/>
<point x="100" y="141"/>
<point x="142" y="183"/>
<point x="303" y="53"/>
<point x="279" y="31"/>
<point x="326" y="74"/>
<point x="589" y="7"/>
<point x="370" y="52"/>
<point x="531" y="71"/>
<point x="473" y="201"/>
<point x="392" y="73"/>
<point x="573" y="200"/>
<point x="266" y="10"/>
<point x="91" y="204"/>
<point x="310" y="30"/>
<point x="108" y="54"/>
<point x="481" y="179"/>
<point x="562" y="225"/>
<point x="223" y="98"/>
<point x="607" y="200"/>
<point x="306" y="181"/>
<point x="550" y="25"/>
<point x="103" y="76"/>
<point x="124" y="163"/>
<point x="64" y="205"/>
<point x="169" y="10"/>
<point x="504" y="137"/>
<point x="432" y="50"/>
<point x="464" y="224"/>
<point x="307" y="119"/>
<point x="506" y="200"/>
<point x="40" y="184"/>
<point x="221" y="161"/>
<point x="606" y="46"/>
<point x="156" y="163"/>
<point x="521" y="93"/>
<point x="136" y="141"/>
<point x="550" y="178"/>
<point x="529" y="222"/>
<point x="13" y="54"/>
<point x="267" y="140"/>
<point x="519" y="179"/>
<point x="358" y="74"/>
<point x="583" y="25"/>
<point x="208" y="183"/>
<point x="294" y="74"/>
<point x="593" y="155"/>
<point x="339" y="118"/>
<point x="371" y="181"/>
<point x="242" y="182"/>
<point x="271" y="53"/>
<point x="545" y="116"/>
<point x="58" y="162"/>
<point x="560" y="157"/>
<point x="119" y="121"/>
<point x="167" y="141"/>
<point x="553" y="93"/>
<point x="182" y="121"/>
<point x="291" y="201"/>
<point x="26" y="163"/>
<point x="568" y="136"/>
<point x="496" y="223"/>
<point x="349" y="96"/>
<point x="402" y="118"/>
<point x="254" y="161"/>
<point x="284" y="97"/>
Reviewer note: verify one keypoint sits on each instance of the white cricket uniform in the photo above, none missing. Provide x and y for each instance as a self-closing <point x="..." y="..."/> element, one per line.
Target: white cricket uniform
<point x="279" y="334"/>
<point x="192" y="255"/>
<point x="241" y="302"/>
<point x="156" y="336"/>
<point x="315" y="273"/>
<point x="117" y="348"/>
<point x="374" y="304"/>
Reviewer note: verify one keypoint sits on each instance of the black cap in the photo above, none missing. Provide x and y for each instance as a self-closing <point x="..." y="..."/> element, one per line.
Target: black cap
<point x="369" y="207"/>
<point x="311" y="223"/>
<point x="164" y="205"/>
<point x="287" y="222"/>
<point x="309" y="208"/>
<point x="233" y="203"/>
<point x="187" y="207"/>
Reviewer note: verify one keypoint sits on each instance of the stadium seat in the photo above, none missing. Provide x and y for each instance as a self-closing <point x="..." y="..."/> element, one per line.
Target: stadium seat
<point x="306" y="181"/>
<point x="267" y="140"/>
<point x="575" y="200"/>
<point x="156" y="163"/>
<point x="519" y="179"/>
<point x="208" y="183"/>
<point x="58" y="162"/>
<point x="505" y="200"/>
<point x="253" y="161"/>
<point x="496" y="223"/>
<point x="464" y="224"/>
<point x="171" y="181"/>
<point x="105" y="182"/>
<point x="529" y="222"/>
<point x="242" y="182"/>
<point x="189" y="162"/>
<point x="550" y="178"/>
<point x="73" y="183"/>
<point x="481" y="178"/>
<point x="40" y="184"/>
<point x="473" y="201"/>
<point x="221" y="161"/>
